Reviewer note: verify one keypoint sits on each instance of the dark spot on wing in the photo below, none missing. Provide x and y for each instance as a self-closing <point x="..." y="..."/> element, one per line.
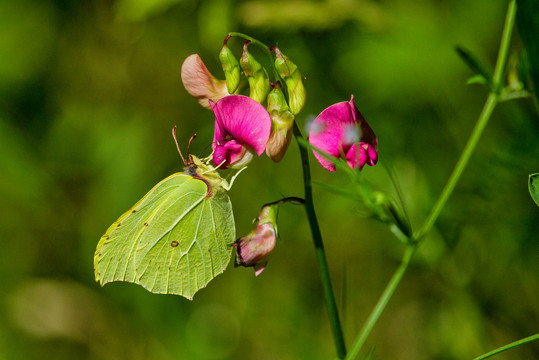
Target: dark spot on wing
<point x="133" y="211"/>
<point x="145" y="224"/>
<point x="174" y="243"/>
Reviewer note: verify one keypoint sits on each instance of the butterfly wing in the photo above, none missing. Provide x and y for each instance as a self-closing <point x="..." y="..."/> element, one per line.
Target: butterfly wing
<point x="173" y="241"/>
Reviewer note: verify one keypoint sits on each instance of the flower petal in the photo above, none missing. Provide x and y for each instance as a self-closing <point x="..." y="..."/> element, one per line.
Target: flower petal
<point x="200" y="83"/>
<point x="255" y="247"/>
<point x="241" y="118"/>
<point x="227" y="153"/>
<point x="360" y="154"/>
<point x="366" y="133"/>
<point x="328" y="131"/>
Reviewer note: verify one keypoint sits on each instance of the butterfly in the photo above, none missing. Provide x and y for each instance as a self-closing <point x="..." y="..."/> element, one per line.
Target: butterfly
<point x="175" y="239"/>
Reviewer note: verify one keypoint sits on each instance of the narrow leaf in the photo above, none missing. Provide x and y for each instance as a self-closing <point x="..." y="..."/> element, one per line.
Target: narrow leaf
<point x="507" y="347"/>
<point x="338" y="190"/>
<point x="477" y="79"/>
<point x="533" y="186"/>
<point x="474" y="65"/>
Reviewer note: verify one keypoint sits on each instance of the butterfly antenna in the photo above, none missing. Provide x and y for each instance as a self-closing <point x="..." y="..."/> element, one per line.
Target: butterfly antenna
<point x="190" y="141"/>
<point x="178" y="146"/>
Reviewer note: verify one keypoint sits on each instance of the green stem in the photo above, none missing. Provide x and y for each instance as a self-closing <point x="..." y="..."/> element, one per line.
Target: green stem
<point x="382" y="302"/>
<point x="252" y="39"/>
<point x="320" y="252"/>
<point x="508" y="346"/>
<point x="492" y="100"/>
<point x="261" y="45"/>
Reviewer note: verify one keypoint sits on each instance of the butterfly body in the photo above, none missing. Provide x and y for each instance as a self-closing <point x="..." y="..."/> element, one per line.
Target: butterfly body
<point x="174" y="240"/>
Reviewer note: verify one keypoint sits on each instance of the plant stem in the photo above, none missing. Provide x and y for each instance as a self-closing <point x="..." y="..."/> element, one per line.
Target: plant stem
<point x="382" y="302"/>
<point x="490" y="104"/>
<point x="252" y="39"/>
<point x="320" y="252"/>
<point x="459" y="167"/>
<point x="484" y="117"/>
<point x="508" y="346"/>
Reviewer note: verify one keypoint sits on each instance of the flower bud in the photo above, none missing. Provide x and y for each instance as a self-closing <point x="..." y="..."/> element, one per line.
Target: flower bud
<point x="289" y="72"/>
<point x="281" y="124"/>
<point x="256" y="75"/>
<point x="253" y="249"/>
<point x="231" y="67"/>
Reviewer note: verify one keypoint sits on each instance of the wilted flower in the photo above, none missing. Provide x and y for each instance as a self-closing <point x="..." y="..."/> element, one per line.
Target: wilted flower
<point x="200" y="83"/>
<point x="253" y="249"/>
<point x="242" y="128"/>
<point x="342" y="132"/>
<point x="282" y="121"/>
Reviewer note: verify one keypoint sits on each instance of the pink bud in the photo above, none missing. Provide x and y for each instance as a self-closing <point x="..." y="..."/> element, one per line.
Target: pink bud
<point x="334" y="131"/>
<point x="200" y="83"/>
<point x="253" y="249"/>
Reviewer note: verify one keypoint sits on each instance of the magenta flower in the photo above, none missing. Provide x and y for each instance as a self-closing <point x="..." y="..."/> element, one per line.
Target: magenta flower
<point x="200" y="83"/>
<point x="253" y="249"/>
<point x="242" y="128"/>
<point x="342" y="132"/>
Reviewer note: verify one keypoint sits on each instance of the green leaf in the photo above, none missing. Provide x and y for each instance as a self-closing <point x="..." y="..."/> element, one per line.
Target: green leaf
<point x="370" y="355"/>
<point x="339" y="190"/>
<point x="477" y="79"/>
<point x="528" y="26"/>
<point x="533" y="186"/>
<point x="476" y="66"/>
<point x="175" y="240"/>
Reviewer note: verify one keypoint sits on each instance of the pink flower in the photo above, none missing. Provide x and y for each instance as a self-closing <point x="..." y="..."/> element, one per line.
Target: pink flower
<point x="200" y="83"/>
<point x="342" y="132"/>
<point x="253" y="249"/>
<point x="242" y="128"/>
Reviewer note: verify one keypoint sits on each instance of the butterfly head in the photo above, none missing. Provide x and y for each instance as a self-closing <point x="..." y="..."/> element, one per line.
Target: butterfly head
<point x="201" y="169"/>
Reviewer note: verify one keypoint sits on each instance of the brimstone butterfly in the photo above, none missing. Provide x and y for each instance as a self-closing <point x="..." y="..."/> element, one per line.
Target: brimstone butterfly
<point x="174" y="240"/>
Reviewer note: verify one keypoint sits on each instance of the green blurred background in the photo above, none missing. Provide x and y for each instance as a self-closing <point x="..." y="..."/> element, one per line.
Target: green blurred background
<point x="89" y="92"/>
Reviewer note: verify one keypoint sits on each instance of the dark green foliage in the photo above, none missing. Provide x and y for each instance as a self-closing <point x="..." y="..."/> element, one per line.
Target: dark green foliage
<point x="528" y="25"/>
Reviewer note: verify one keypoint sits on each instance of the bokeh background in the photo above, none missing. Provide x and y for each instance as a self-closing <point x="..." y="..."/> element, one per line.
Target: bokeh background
<point x="89" y="92"/>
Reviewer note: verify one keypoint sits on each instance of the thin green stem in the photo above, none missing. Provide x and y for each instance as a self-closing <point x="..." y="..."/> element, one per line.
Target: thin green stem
<point x="508" y="346"/>
<point x="252" y="39"/>
<point x="459" y="167"/>
<point x="261" y="45"/>
<point x="504" y="45"/>
<point x="492" y="100"/>
<point x="382" y="302"/>
<point x="320" y="252"/>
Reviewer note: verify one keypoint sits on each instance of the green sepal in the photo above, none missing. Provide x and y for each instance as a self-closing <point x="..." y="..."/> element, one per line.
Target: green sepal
<point x="231" y="67"/>
<point x="257" y="76"/>
<point x="293" y="79"/>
